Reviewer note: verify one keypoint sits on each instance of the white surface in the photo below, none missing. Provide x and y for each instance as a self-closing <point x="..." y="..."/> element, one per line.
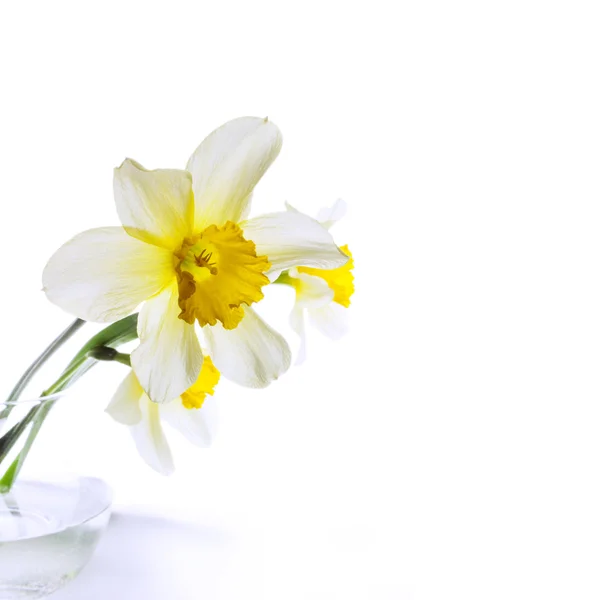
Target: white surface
<point x="458" y="425"/>
<point x="156" y="554"/>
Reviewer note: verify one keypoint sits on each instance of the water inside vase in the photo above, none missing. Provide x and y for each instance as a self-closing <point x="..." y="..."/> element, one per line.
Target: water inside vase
<point x="48" y="532"/>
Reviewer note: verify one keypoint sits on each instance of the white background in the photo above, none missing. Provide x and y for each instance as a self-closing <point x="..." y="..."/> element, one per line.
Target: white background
<point x="449" y="447"/>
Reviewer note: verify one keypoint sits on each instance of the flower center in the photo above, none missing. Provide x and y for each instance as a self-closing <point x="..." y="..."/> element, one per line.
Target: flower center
<point x="340" y="280"/>
<point x="218" y="271"/>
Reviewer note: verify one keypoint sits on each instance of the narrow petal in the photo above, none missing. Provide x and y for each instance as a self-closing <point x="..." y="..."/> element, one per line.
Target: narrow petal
<point x="311" y="291"/>
<point x="331" y="321"/>
<point x="252" y="354"/>
<point x="168" y="360"/>
<point x="154" y="206"/>
<point x="331" y="215"/>
<point x="297" y="323"/>
<point x="327" y="216"/>
<point x="104" y="274"/>
<point x="227" y="165"/>
<point x="292" y="239"/>
<point x="125" y="404"/>
<point x="150" y="439"/>
<point x="198" y="425"/>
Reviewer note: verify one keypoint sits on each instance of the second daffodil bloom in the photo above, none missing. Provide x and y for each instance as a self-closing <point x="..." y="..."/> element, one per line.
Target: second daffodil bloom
<point x="323" y="294"/>
<point x="194" y="414"/>
<point x="187" y="250"/>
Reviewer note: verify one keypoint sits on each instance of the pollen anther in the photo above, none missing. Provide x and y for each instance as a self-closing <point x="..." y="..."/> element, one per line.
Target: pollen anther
<point x="218" y="271"/>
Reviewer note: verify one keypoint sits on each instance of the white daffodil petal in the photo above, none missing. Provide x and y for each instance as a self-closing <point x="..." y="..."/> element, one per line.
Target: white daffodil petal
<point x="297" y="323"/>
<point x="104" y="274"/>
<point x="252" y="354"/>
<point x="311" y="291"/>
<point x="150" y="439"/>
<point x="326" y="216"/>
<point x="331" y="320"/>
<point x="125" y="404"/>
<point x="331" y="215"/>
<point x="246" y="210"/>
<point x="168" y="360"/>
<point x="154" y="206"/>
<point x="227" y="165"/>
<point x="198" y="425"/>
<point x="292" y="239"/>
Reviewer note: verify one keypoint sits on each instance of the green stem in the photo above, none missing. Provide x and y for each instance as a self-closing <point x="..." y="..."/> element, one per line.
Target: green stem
<point x="13" y="470"/>
<point x="114" y="335"/>
<point x="124" y="359"/>
<point x="66" y="378"/>
<point x="107" y="354"/>
<point x="118" y="333"/>
<point x="8" y="440"/>
<point x="37" y="364"/>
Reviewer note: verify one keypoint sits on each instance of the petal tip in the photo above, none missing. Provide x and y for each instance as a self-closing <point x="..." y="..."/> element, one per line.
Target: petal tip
<point x="127" y="162"/>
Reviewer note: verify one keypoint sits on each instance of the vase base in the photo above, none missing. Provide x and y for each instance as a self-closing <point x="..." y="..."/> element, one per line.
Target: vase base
<point x="48" y="532"/>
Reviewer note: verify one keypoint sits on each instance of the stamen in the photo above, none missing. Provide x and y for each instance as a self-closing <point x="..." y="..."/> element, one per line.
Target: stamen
<point x="209" y="294"/>
<point x="203" y="261"/>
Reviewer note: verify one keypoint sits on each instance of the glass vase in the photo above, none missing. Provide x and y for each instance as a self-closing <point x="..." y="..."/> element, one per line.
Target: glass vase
<point x="50" y="522"/>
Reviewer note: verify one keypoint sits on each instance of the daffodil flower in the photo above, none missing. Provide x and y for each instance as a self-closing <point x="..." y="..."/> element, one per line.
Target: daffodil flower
<point x="188" y="252"/>
<point x="322" y="294"/>
<point x="194" y="414"/>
